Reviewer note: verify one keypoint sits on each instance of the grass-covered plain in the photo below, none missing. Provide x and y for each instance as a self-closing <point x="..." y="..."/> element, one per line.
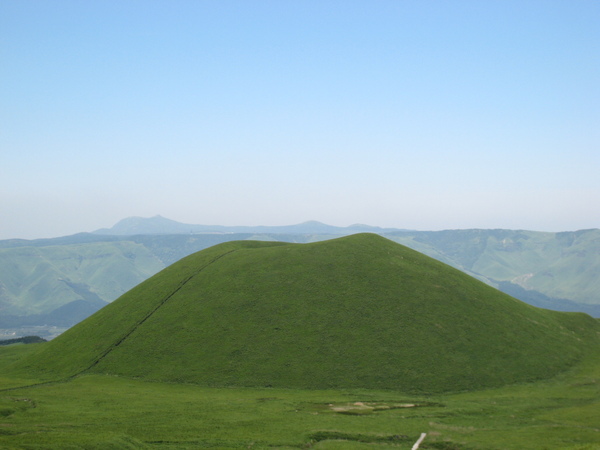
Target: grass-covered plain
<point x="100" y="412"/>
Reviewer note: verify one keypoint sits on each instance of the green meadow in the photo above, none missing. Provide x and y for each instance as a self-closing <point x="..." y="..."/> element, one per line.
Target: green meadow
<point x="103" y="412"/>
<point x="353" y="343"/>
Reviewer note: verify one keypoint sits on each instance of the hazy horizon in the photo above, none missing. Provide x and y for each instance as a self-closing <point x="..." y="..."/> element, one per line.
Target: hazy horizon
<point x="423" y="115"/>
<point x="104" y="228"/>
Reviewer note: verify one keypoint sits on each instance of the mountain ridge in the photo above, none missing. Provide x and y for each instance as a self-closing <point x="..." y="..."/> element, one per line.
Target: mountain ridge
<point x="161" y="225"/>
<point x="158" y="225"/>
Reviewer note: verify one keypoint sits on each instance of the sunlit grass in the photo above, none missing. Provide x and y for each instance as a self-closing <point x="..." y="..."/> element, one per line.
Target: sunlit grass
<point x="96" y="411"/>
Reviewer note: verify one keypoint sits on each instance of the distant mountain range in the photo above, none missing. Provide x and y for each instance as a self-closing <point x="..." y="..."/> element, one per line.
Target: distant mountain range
<point x="161" y="225"/>
<point x="61" y="280"/>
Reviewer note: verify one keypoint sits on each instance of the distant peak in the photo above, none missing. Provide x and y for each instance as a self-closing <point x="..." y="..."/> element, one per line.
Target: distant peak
<point x="312" y="222"/>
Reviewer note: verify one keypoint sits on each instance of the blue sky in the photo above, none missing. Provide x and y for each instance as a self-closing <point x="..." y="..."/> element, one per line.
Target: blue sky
<point x="412" y="114"/>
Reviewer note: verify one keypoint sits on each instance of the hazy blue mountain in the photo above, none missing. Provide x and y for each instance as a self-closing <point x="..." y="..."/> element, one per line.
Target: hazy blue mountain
<point x="540" y="300"/>
<point x="160" y="225"/>
<point x="79" y="238"/>
<point x="63" y="316"/>
<point x="152" y="225"/>
<point x="563" y="265"/>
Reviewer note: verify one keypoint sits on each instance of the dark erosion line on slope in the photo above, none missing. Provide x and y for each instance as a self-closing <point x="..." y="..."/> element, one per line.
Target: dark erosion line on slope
<point x="147" y="316"/>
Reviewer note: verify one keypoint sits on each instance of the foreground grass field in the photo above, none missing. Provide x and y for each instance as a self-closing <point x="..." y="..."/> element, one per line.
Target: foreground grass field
<point x="100" y="412"/>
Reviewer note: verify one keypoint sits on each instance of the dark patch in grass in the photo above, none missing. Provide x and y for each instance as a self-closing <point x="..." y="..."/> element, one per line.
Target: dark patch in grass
<point x="443" y="446"/>
<point x="356" y="412"/>
<point x="14" y="405"/>
<point x="366" y="438"/>
<point x="5" y="412"/>
<point x="201" y="444"/>
<point x="266" y="399"/>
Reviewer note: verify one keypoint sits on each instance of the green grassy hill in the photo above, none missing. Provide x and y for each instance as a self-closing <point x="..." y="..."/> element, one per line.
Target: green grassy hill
<point x="39" y="278"/>
<point x="358" y="311"/>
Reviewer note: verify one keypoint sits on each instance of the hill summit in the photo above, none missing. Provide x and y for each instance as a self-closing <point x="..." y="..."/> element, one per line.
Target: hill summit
<point x="354" y="312"/>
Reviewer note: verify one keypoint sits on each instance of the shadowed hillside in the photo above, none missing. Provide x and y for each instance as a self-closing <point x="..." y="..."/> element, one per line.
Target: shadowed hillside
<point x="357" y="311"/>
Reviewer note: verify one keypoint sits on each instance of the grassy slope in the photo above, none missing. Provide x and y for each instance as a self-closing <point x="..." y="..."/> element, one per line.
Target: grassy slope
<point x="111" y="412"/>
<point x="352" y="312"/>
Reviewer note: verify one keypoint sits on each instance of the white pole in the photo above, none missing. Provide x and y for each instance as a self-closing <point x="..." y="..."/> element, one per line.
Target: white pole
<point x="416" y="446"/>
